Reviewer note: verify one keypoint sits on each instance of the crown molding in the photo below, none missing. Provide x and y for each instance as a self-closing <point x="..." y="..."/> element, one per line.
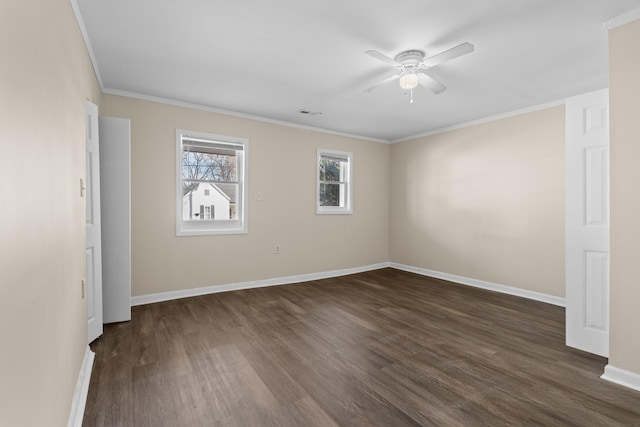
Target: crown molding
<point x="194" y="106"/>
<point x="623" y="19"/>
<point x="487" y="119"/>
<point x="87" y="42"/>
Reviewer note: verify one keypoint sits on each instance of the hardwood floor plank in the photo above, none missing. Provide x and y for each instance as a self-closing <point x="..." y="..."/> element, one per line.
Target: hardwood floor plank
<point x="274" y="375"/>
<point x="386" y="348"/>
<point x="306" y="412"/>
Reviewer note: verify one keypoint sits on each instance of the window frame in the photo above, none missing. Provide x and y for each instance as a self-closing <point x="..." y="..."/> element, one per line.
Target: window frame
<point x="219" y="226"/>
<point x="335" y="210"/>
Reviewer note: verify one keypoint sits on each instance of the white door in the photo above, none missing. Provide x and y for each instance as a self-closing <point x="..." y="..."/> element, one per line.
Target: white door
<point x="94" y="246"/>
<point x="587" y="222"/>
<point x="115" y="190"/>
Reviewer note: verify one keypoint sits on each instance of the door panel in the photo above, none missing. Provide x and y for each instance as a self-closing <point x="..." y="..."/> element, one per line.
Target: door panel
<point x="94" y="245"/>
<point x="115" y="191"/>
<point x="596" y="194"/>
<point x="587" y="222"/>
<point x="596" y="290"/>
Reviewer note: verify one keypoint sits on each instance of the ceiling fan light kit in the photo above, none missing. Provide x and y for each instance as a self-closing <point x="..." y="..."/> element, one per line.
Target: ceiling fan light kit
<point x="409" y="79"/>
<point x="412" y="67"/>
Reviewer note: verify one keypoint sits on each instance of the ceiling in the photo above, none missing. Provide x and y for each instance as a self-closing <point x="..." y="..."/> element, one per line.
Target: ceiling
<point x="270" y="59"/>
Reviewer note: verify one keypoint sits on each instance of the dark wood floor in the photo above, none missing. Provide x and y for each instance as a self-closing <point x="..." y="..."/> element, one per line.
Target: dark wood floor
<point x="383" y="348"/>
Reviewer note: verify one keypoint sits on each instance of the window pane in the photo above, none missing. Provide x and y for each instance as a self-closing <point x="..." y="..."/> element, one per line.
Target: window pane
<point x="211" y="184"/>
<point x="209" y="166"/>
<point x="209" y="201"/>
<point x="330" y="169"/>
<point x="334" y="182"/>
<point x="332" y="195"/>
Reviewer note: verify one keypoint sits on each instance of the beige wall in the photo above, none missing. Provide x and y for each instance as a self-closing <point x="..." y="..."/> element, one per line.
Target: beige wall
<point x="624" y="63"/>
<point x="45" y="77"/>
<point x="281" y="167"/>
<point x="484" y="202"/>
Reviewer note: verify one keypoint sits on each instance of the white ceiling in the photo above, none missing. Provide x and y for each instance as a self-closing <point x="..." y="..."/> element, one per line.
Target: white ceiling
<point x="272" y="58"/>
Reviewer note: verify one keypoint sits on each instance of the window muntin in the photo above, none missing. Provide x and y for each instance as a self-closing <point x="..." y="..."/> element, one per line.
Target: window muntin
<point x="211" y="183"/>
<point x="334" y="194"/>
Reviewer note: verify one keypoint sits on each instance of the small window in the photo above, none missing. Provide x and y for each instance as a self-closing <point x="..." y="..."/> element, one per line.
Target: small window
<point x="334" y="195"/>
<point x="211" y="195"/>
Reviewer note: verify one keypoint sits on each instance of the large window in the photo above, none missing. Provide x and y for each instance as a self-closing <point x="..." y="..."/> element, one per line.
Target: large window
<point x="334" y="195"/>
<point x="211" y="184"/>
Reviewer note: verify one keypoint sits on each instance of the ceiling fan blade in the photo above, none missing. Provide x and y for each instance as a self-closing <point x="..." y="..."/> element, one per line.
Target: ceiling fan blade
<point x="385" y="81"/>
<point x="381" y="56"/>
<point x="454" y="52"/>
<point x="430" y="83"/>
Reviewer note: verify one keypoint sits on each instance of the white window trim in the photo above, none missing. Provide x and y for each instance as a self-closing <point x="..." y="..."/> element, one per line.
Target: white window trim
<point x="204" y="228"/>
<point x="335" y="210"/>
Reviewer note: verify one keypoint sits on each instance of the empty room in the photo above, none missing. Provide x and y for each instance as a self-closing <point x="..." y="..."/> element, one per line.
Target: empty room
<point x="306" y="213"/>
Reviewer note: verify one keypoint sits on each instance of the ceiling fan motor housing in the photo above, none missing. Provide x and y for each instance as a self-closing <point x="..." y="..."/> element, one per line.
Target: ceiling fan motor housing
<point x="409" y="57"/>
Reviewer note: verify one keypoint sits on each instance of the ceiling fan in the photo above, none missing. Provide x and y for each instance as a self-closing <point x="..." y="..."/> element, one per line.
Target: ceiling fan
<point x="413" y="67"/>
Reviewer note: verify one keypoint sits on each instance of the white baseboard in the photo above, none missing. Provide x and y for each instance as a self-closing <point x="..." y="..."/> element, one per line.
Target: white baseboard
<point x="82" y="390"/>
<point x="549" y="299"/>
<point x="167" y="296"/>
<point x="171" y="295"/>
<point x="622" y="377"/>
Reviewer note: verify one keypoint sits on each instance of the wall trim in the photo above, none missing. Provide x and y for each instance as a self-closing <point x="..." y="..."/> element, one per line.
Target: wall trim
<point x="82" y="390"/>
<point x="186" y="293"/>
<point x="87" y="41"/>
<point x="488" y="119"/>
<point x="621" y="377"/>
<point x="171" y="295"/>
<point x="537" y="296"/>
<point x="623" y="19"/>
<point x="209" y="109"/>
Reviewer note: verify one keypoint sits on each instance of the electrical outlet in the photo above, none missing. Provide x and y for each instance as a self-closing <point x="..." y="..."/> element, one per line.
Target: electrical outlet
<point x="277" y="249"/>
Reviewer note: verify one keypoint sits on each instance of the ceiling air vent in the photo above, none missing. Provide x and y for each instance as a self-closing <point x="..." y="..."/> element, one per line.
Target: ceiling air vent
<point x="311" y="113"/>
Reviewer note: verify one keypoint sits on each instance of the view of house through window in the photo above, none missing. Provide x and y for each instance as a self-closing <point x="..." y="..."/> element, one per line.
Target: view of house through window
<point x="334" y="182"/>
<point x="209" y="179"/>
<point x="212" y="183"/>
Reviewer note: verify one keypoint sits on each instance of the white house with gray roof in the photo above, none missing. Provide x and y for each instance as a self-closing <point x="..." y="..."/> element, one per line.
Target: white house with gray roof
<point x="207" y="201"/>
